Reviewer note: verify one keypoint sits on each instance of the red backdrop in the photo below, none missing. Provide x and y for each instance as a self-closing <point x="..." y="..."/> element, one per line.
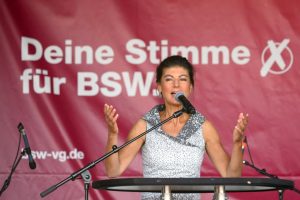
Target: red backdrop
<point x="61" y="61"/>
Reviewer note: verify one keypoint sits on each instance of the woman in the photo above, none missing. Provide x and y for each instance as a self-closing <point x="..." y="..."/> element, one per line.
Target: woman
<point x="177" y="148"/>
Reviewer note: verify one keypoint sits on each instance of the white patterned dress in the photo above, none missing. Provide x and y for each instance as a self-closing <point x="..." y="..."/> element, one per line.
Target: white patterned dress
<point x="165" y="156"/>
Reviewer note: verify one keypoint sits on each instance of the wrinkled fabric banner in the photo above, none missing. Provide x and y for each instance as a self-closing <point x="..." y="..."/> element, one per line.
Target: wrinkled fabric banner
<point x="62" y="61"/>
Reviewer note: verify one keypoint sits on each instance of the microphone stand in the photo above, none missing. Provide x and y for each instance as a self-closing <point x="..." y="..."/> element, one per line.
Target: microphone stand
<point x="7" y="181"/>
<point x="86" y="176"/>
<point x="264" y="172"/>
<point x="115" y="149"/>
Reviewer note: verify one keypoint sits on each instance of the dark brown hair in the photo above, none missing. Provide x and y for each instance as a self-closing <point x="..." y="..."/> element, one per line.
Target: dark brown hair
<point x="175" y="61"/>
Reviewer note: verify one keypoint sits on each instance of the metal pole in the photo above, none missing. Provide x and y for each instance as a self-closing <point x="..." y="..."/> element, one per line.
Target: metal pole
<point x="166" y="193"/>
<point x="219" y="193"/>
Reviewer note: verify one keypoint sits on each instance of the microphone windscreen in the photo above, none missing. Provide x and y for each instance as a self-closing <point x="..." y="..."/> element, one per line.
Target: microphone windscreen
<point x="177" y="95"/>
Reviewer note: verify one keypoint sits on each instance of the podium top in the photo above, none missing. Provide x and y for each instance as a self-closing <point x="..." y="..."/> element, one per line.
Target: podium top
<point x="193" y="185"/>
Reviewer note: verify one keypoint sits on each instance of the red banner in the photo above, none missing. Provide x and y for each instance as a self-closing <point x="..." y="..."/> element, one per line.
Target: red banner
<point x="62" y="61"/>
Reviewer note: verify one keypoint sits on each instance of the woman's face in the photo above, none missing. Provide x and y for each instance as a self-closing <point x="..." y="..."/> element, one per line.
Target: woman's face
<point x="173" y="80"/>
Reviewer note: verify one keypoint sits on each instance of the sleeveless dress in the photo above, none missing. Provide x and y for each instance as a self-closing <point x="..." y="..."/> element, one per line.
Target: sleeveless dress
<point x="165" y="156"/>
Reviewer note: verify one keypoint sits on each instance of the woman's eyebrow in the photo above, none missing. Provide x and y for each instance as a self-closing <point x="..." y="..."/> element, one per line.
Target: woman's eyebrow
<point x="184" y="75"/>
<point x="169" y="75"/>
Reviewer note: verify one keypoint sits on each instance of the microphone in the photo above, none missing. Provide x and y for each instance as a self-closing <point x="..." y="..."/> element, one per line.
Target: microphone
<point x="187" y="106"/>
<point x="32" y="164"/>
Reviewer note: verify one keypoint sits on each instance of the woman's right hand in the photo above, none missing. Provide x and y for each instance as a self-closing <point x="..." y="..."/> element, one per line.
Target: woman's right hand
<point x="111" y="117"/>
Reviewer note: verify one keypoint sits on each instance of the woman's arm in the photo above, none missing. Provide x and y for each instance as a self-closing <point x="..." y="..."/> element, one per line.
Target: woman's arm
<point x="117" y="163"/>
<point x="227" y="166"/>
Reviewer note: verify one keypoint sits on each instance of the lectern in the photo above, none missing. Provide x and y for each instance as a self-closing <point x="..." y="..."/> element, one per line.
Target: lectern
<point x="193" y="185"/>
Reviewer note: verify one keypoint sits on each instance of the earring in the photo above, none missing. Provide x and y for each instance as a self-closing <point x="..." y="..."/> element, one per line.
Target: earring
<point x="158" y="93"/>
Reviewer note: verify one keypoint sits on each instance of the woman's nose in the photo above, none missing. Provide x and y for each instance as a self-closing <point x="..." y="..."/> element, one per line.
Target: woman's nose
<point x="176" y="83"/>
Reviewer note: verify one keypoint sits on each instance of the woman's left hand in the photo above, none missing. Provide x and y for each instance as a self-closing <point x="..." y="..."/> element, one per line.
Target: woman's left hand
<point x="239" y="129"/>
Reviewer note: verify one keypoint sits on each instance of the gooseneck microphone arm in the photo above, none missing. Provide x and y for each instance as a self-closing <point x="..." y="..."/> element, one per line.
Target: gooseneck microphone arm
<point x="264" y="172"/>
<point x="115" y="149"/>
<point x="261" y="171"/>
<point x="14" y="166"/>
